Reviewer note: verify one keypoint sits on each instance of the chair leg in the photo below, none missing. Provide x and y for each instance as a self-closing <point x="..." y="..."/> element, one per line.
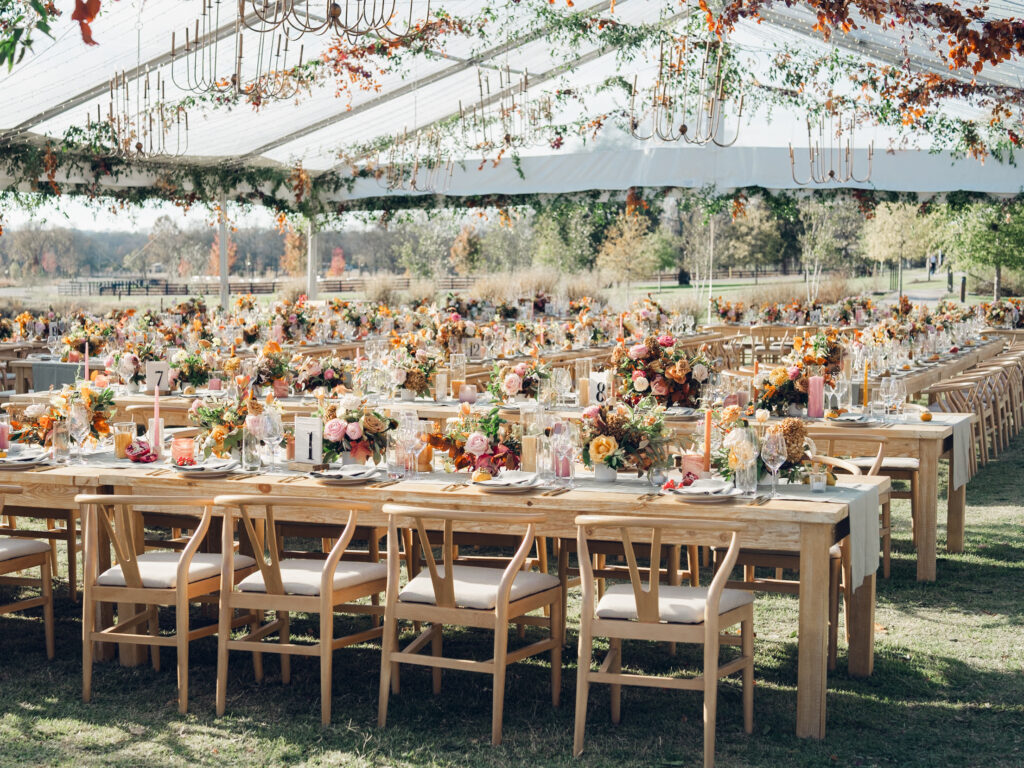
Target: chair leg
<point x="436" y="646"/>
<point x="747" y="640"/>
<point x="326" y="663"/>
<point x="691" y="565"/>
<point x="710" y="699"/>
<point x="387" y="643"/>
<point x="556" y="652"/>
<point x="181" y="620"/>
<point x="498" y="697"/>
<point x="283" y="636"/>
<point x="615" y="648"/>
<point x="47" y="589"/>
<point x="154" y="630"/>
<point x="225" y="612"/>
<point x="72" y="541"/>
<point x="257" y="657"/>
<point x="51" y="525"/>
<point x="582" y="689"/>
<point x="88" y="627"/>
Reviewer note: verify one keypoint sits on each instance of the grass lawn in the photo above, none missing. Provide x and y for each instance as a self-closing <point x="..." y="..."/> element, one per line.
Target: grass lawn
<point x="948" y="688"/>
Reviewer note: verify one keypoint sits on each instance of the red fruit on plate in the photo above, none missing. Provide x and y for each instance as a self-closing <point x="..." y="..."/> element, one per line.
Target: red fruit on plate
<point x="688" y="479"/>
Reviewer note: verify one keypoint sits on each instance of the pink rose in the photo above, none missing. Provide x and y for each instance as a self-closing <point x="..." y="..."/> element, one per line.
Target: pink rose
<point x="196" y="404"/>
<point x="659" y="386"/>
<point x="637" y="351"/>
<point x="591" y="412"/>
<point x="354" y="430"/>
<point x="512" y="384"/>
<point x="455" y="317"/>
<point x="638" y="375"/>
<point x="520" y="369"/>
<point x="421" y="355"/>
<point x="334" y="430"/>
<point x="794" y="373"/>
<point x="477" y="444"/>
<point x="329" y="374"/>
<point x="293" y="319"/>
<point x="666" y="340"/>
<point x="314" y="367"/>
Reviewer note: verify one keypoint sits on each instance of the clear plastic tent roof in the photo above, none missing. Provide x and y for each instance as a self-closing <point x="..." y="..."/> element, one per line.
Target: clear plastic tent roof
<point x="62" y="81"/>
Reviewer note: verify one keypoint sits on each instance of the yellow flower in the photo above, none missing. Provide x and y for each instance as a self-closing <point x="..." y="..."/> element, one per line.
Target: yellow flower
<point x="601" y="447"/>
<point x="778" y="376"/>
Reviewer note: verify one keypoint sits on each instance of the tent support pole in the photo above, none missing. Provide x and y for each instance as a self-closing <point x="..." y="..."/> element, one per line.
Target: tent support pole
<point x="312" y="264"/>
<point x="222" y="243"/>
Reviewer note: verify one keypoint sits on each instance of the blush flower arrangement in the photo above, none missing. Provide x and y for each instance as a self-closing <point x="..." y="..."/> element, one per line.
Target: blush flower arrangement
<point x="624" y="437"/>
<point x="657" y="367"/>
<point x="476" y="442"/>
<point x="520" y="379"/>
<point x="321" y="372"/>
<point x="414" y="371"/>
<point x="361" y="433"/>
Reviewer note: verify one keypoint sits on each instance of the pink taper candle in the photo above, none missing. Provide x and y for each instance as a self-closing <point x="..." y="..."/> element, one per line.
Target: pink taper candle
<point x="707" y="441"/>
<point x="815" y="397"/>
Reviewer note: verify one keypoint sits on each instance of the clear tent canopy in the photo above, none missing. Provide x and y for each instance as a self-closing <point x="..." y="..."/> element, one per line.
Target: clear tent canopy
<point x="332" y="125"/>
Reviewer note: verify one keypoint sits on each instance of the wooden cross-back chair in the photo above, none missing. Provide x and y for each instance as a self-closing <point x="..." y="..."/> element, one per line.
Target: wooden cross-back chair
<point x="147" y="579"/>
<point x="470" y="596"/>
<point x="22" y="554"/>
<point x="645" y="610"/>
<point x="288" y="585"/>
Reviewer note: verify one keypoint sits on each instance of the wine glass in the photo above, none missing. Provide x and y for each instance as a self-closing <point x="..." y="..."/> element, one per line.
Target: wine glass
<point x="774" y="453"/>
<point x="53" y="343"/>
<point x="899" y="396"/>
<point x="273" y="432"/>
<point x="78" y="418"/>
<point x="562" y="380"/>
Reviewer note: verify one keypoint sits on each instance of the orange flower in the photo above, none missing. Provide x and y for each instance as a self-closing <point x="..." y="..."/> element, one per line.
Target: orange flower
<point x="271" y="348"/>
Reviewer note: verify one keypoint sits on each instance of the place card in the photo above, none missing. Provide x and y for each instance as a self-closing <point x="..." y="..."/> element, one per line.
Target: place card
<point x="309" y="440"/>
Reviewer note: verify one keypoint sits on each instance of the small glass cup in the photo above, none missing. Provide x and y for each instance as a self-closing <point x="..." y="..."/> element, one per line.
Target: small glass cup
<point x="819" y="480"/>
<point x="440" y="385"/>
<point x="124" y="434"/>
<point x="5" y="431"/>
<point x="60" y="442"/>
<point x="183" y="451"/>
<point x="250" y="452"/>
<point x="468" y="393"/>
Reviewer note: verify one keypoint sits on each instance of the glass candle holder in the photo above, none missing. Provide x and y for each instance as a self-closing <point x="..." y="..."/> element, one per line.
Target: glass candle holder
<point x="183" y="451"/>
<point x="5" y="431"/>
<point x="124" y="434"/>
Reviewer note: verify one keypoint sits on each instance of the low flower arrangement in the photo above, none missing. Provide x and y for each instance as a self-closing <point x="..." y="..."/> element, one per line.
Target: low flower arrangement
<point x="292" y="318"/>
<point x="272" y="365"/>
<point x="658" y="368"/>
<point x="130" y="363"/>
<point x="75" y="340"/>
<point x="519" y="380"/>
<point x="413" y="372"/>
<point x="35" y="426"/>
<point x="361" y="433"/>
<point x="479" y="442"/>
<point x="320" y="372"/>
<point x="190" y="369"/>
<point x="625" y="438"/>
<point x="221" y="423"/>
<point x="727" y="311"/>
<point x="450" y="329"/>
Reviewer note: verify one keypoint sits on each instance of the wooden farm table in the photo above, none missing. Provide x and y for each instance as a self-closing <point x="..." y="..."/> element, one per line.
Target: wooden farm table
<point x="920" y="379"/>
<point x="810" y="527"/>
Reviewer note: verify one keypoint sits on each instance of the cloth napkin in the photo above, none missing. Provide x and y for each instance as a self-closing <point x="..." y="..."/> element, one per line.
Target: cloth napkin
<point x="963" y="444"/>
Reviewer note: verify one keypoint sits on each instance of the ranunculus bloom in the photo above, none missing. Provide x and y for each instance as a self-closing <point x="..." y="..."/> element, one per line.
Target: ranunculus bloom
<point x="477" y="444"/>
<point x="520" y="369"/>
<point x="793" y="372"/>
<point x="334" y="430"/>
<point x="354" y="430"/>
<point x="637" y="351"/>
<point x="512" y="385"/>
<point x="421" y="355"/>
<point x="455" y="317"/>
<point x="659" y="386"/>
<point x="601" y="447"/>
<point x="591" y="411"/>
<point x="640" y="384"/>
<point x="196" y="404"/>
<point x="666" y="340"/>
<point x="329" y="374"/>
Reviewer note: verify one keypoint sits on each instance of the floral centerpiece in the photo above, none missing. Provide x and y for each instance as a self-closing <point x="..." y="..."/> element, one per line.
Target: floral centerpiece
<point x="519" y="380"/>
<point x="787" y="385"/>
<point x="412" y="373"/>
<point x="291" y="320"/>
<point x="846" y="310"/>
<point x="362" y="434"/>
<point x="314" y="373"/>
<point x="450" y="329"/>
<point x="479" y="442"/>
<point x="658" y="367"/>
<point x="190" y="370"/>
<point x="624" y="438"/>
<point x="35" y="426"/>
<point x="272" y="368"/>
<point x="75" y="340"/>
<point x="130" y="363"/>
<point x="727" y="311"/>
<point x="221" y="423"/>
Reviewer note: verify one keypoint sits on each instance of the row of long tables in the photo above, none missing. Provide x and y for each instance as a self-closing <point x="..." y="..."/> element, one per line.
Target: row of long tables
<point x="810" y="527"/>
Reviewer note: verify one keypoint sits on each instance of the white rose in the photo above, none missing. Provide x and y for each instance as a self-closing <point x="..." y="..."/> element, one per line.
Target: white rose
<point x="700" y="372"/>
<point x="470" y="327"/>
<point x="35" y="411"/>
<point x="640" y="384"/>
<point x="399" y="376"/>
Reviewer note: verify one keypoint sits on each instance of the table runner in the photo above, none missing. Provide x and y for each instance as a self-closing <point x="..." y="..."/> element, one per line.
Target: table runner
<point x="862" y="500"/>
<point x="963" y="444"/>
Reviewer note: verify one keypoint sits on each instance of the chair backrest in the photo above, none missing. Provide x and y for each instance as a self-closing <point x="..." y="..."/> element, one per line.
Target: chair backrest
<point x="114" y="515"/>
<point x="266" y="546"/>
<point x="834" y="442"/>
<point x="703" y="532"/>
<point x="418" y="518"/>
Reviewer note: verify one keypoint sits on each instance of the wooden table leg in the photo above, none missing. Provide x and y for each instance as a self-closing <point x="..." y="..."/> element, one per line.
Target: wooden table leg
<point x="956" y="510"/>
<point x="927" y="509"/>
<point x="813" y="632"/>
<point x="861" y="656"/>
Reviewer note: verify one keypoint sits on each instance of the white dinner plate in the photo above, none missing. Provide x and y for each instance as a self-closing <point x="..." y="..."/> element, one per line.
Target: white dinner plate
<point x="510" y="482"/>
<point x="706" y="498"/>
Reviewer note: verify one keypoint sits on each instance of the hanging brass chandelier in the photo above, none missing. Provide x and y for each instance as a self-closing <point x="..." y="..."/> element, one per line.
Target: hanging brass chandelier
<point x="688" y="106"/>
<point x="351" y="19"/>
<point x="505" y="116"/>
<point x="141" y="124"/>
<point x="831" y="150"/>
<point x="416" y="162"/>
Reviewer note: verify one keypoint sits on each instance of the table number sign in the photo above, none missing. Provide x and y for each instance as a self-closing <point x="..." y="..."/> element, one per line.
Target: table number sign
<point x="309" y="440"/>
<point x="600" y="391"/>
<point x="474" y="349"/>
<point x="158" y="375"/>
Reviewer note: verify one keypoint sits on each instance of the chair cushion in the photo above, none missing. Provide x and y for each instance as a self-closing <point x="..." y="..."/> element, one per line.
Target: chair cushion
<point x="477" y="587"/>
<point x="906" y="463"/>
<point x="159" y="570"/>
<point x="11" y="548"/>
<point x="302" y="577"/>
<point x="676" y="605"/>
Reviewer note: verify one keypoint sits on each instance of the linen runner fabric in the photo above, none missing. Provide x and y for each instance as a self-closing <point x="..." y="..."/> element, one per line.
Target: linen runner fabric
<point x="963" y="444"/>
<point x="862" y="500"/>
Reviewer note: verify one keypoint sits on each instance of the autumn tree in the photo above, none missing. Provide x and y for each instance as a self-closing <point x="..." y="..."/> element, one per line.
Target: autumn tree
<point x="464" y="256"/>
<point x="900" y="231"/>
<point x="754" y="239"/>
<point x="627" y="253"/>
<point x="293" y="262"/>
<point x="213" y="265"/>
<point x="337" y="267"/>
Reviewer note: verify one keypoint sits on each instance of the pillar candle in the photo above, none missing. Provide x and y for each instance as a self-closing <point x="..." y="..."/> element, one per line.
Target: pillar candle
<point x="815" y="397"/>
<point x="707" y="441"/>
<point x="87" y="361"/>
<point x="867" y="367"/>
<point x="583" y="385"/>
<point x="528" y="460"/>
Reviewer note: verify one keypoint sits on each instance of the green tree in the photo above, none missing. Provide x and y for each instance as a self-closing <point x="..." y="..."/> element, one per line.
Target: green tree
<point x="900" y="231"/>
<point x="754" y="239"/>
<point x="989" y="235"/>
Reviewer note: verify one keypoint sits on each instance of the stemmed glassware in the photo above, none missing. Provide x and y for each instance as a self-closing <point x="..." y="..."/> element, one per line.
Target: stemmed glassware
<point x="53" y="342"/>
<point x="774" y="453"/>
<point x="562" y="381"/>
<point x="273" y="433"/>
<point x="78" y="424"/>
